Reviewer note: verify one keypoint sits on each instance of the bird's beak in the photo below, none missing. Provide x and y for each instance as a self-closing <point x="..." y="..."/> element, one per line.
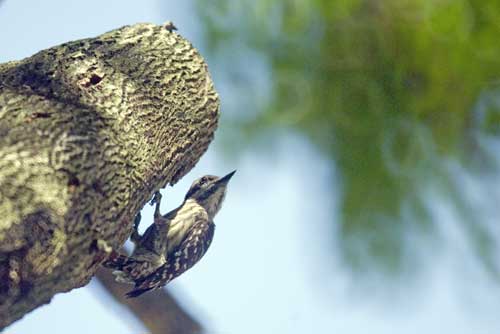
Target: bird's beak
<point x="226" y="178"/>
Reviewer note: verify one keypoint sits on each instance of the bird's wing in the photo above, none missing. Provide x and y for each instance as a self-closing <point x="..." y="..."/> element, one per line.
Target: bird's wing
<point x="190" y="251"/>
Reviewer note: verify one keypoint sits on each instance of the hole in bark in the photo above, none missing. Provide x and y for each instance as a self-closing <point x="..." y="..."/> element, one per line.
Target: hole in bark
<point x="36" y="115"/>
<point x="93" y="80"/>
<point x="73" y="181"/>
<point x="40" y="115"/>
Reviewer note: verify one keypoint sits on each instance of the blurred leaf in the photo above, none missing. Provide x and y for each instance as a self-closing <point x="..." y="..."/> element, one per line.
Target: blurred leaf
<point x="385" y="88"/>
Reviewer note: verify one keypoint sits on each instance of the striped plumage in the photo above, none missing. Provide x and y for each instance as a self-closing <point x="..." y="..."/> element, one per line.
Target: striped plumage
<point x="190" y="251"/>
<point x="176" y="241"/>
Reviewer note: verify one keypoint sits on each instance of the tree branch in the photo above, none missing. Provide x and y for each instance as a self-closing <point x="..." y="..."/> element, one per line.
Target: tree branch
<point x="89" y="130"/>
<point x="157" y="310"/>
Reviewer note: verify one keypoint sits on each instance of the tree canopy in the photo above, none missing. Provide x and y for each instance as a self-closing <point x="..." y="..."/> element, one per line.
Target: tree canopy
<point x="392" y="91"/>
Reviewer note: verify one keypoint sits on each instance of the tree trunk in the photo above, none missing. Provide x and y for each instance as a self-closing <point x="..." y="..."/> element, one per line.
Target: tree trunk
<point x="89" y="130"/>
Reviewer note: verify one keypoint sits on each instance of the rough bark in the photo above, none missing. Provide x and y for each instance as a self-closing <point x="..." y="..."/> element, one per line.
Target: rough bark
<point x="88" y="131"/>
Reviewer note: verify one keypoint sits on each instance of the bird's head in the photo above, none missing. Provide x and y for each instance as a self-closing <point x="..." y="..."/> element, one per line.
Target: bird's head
<point x="209" y="191"/>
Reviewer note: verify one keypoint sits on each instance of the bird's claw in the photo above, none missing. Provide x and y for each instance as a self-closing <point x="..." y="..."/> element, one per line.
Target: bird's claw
<point x="156" y="198"/>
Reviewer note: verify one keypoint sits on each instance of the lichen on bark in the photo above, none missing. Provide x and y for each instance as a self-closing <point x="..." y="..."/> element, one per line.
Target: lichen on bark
<point x="88" y="131"/>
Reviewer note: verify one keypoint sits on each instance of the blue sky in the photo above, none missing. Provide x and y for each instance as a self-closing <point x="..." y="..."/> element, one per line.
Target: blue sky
<point x="263" y="272"/>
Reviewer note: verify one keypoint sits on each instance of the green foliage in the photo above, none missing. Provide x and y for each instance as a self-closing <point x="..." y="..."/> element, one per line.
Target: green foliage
<point x="386" y="88"/>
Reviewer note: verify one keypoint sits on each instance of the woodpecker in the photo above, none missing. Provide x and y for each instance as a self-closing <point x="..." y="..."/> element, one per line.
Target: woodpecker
<point x="175" y="241"/>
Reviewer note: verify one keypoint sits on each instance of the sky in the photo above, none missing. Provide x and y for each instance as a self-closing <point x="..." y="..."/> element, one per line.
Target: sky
<point x="265" y="271"/>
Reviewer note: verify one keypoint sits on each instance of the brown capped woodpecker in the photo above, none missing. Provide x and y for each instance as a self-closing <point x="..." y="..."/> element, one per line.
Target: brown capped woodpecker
<point x="175" y="241"/>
